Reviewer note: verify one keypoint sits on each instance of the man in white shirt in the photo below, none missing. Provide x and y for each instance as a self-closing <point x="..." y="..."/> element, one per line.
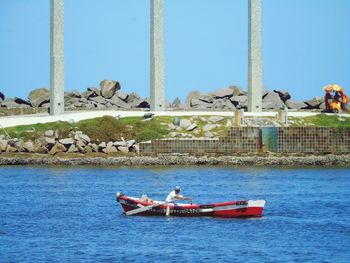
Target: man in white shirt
<point x="175" y="195"/>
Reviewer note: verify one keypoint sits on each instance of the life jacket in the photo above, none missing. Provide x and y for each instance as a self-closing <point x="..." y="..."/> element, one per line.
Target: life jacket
<point x="344" y="98"/>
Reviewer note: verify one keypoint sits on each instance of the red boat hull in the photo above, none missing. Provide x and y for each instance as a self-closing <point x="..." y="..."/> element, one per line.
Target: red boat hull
<point x="233" y="209"/>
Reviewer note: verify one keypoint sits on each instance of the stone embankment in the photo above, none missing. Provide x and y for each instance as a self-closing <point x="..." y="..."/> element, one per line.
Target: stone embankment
<point x="110" y="96"/>
<point x="170" y="160"/>
<point x="77" y="142"/>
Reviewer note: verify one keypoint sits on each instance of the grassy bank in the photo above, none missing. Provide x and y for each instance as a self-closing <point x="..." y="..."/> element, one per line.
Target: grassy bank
<point x="108" y="128"/>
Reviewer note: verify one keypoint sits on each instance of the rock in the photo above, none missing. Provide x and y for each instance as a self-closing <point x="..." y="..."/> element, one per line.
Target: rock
<point x="82" y="137"/>
<point x="90" y="93"/>
<point x="223" y="104"/>
<point x="207" y="98"/>
<point x="237" y="91"/>
<point x="171" y="126"/>
<point x="88" y="149"/>
<point x="109" y="144"/>
<point x="136" y="148"/>
<point x="314" y="103"/>
<point x="216" y="119"/>
<point x="173" y="134"/>
<point x="110" y="149"/>
<point x="130" y="143"/>
<point x="57" y="148"/>
<point x="295" y="104"/>
<point x="192" y="127"/>
<point x="196" y="132"/>
<point x="223" y="93"/>
<point x="72" y="149"/>
<point x="192" y="95"/>
<point x="2" y="96"/>
<point x="148" y="115"/>
<point x="49" y="140"/>
<point x="38" y="97"/>
<point x="284" y="95"/>
<point x="322" y="106"/>
<point x="12" y="142"/>
<point x="9" y="103"/>
<point x="74" y="94"/>
<point x="101" y="146"/>
<point x="199" y="104"/>
<point x="176" y="103"/>
<point x="94" y="90"/>
<point x="123" y="149"/>
<point x="80" y="143"/>
<point x="81" y="148"/>
<point x="45" y="105"/>
<point x="49" y="133"/>
<point x="272" y="101"/>
<point x="143" y="104"/>
<point x="56" y="135"/>
<point x="99" y="100"/>
<point x="239" y="100"/>
<point x="10" y="149"/>
<point x="3" y="145"/>
<point x="264" y="92"/>
<point x="133" y="97"/>
<point x="28" y="146"/>
<point x="122" y="95"/>
<point x="21" y="101"/>
<point x="115" y="100"/>
<point x="208" y="134"/>
<point x="119" y="143"/>
<point x="184" y="123"/>
<point x="209" y="127"/>
<point x="94" y="147"/>
<point x="108" y="88"/>
<point x="40" y="146"/>
<point x="19" y="146"/>
<point x="66" y="142"/>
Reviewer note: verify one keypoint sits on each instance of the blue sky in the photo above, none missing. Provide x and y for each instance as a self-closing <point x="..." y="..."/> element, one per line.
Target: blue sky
<point x="306" y="45"/>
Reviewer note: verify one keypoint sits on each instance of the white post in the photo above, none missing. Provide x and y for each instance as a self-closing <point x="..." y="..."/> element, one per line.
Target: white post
<point x="254" y="57"/>
<point x="157" y="56"/>
<point x="57" y="58"/>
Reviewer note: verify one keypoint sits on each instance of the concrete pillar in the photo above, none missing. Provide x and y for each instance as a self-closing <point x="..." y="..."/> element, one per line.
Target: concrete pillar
<point x="239" y="118"/>
<point x="157" y="56"/>
<point x="282" y="115"/>
<point x="254" y="57"/>
<point x="57" y="58"/>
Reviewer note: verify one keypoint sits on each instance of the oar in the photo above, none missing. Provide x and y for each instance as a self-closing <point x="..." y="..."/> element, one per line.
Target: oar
<point x="142" y="209"/>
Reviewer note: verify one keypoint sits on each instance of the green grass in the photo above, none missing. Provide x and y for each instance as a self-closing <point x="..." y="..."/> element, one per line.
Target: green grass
<point x="321" y="120"/>
<point x="32" y="132"/>
<point x="105" y="128"/>
<point x="108" y="128"/>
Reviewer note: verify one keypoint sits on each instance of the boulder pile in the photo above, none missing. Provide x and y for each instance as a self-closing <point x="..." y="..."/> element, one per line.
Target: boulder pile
<point x="109" y="96"/>
<point x="233" y="97"/>
<point x="50" y="143"/>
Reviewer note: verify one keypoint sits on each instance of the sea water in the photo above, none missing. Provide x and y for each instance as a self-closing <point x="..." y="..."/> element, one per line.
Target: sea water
<point x="69" y="214"/>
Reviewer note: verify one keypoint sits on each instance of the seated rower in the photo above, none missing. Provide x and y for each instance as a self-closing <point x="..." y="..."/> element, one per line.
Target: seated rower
<point x="175" y="195"/>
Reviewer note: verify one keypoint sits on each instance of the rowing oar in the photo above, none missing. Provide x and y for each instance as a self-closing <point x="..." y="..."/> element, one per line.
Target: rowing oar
<point x="142" y="209"/>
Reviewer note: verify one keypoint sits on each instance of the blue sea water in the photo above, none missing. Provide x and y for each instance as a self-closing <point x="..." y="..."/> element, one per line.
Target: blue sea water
<point x="69" y="214"/>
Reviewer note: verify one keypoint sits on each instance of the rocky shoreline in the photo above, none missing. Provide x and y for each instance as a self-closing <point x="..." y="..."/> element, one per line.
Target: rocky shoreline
<point x="171" y="160"/>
